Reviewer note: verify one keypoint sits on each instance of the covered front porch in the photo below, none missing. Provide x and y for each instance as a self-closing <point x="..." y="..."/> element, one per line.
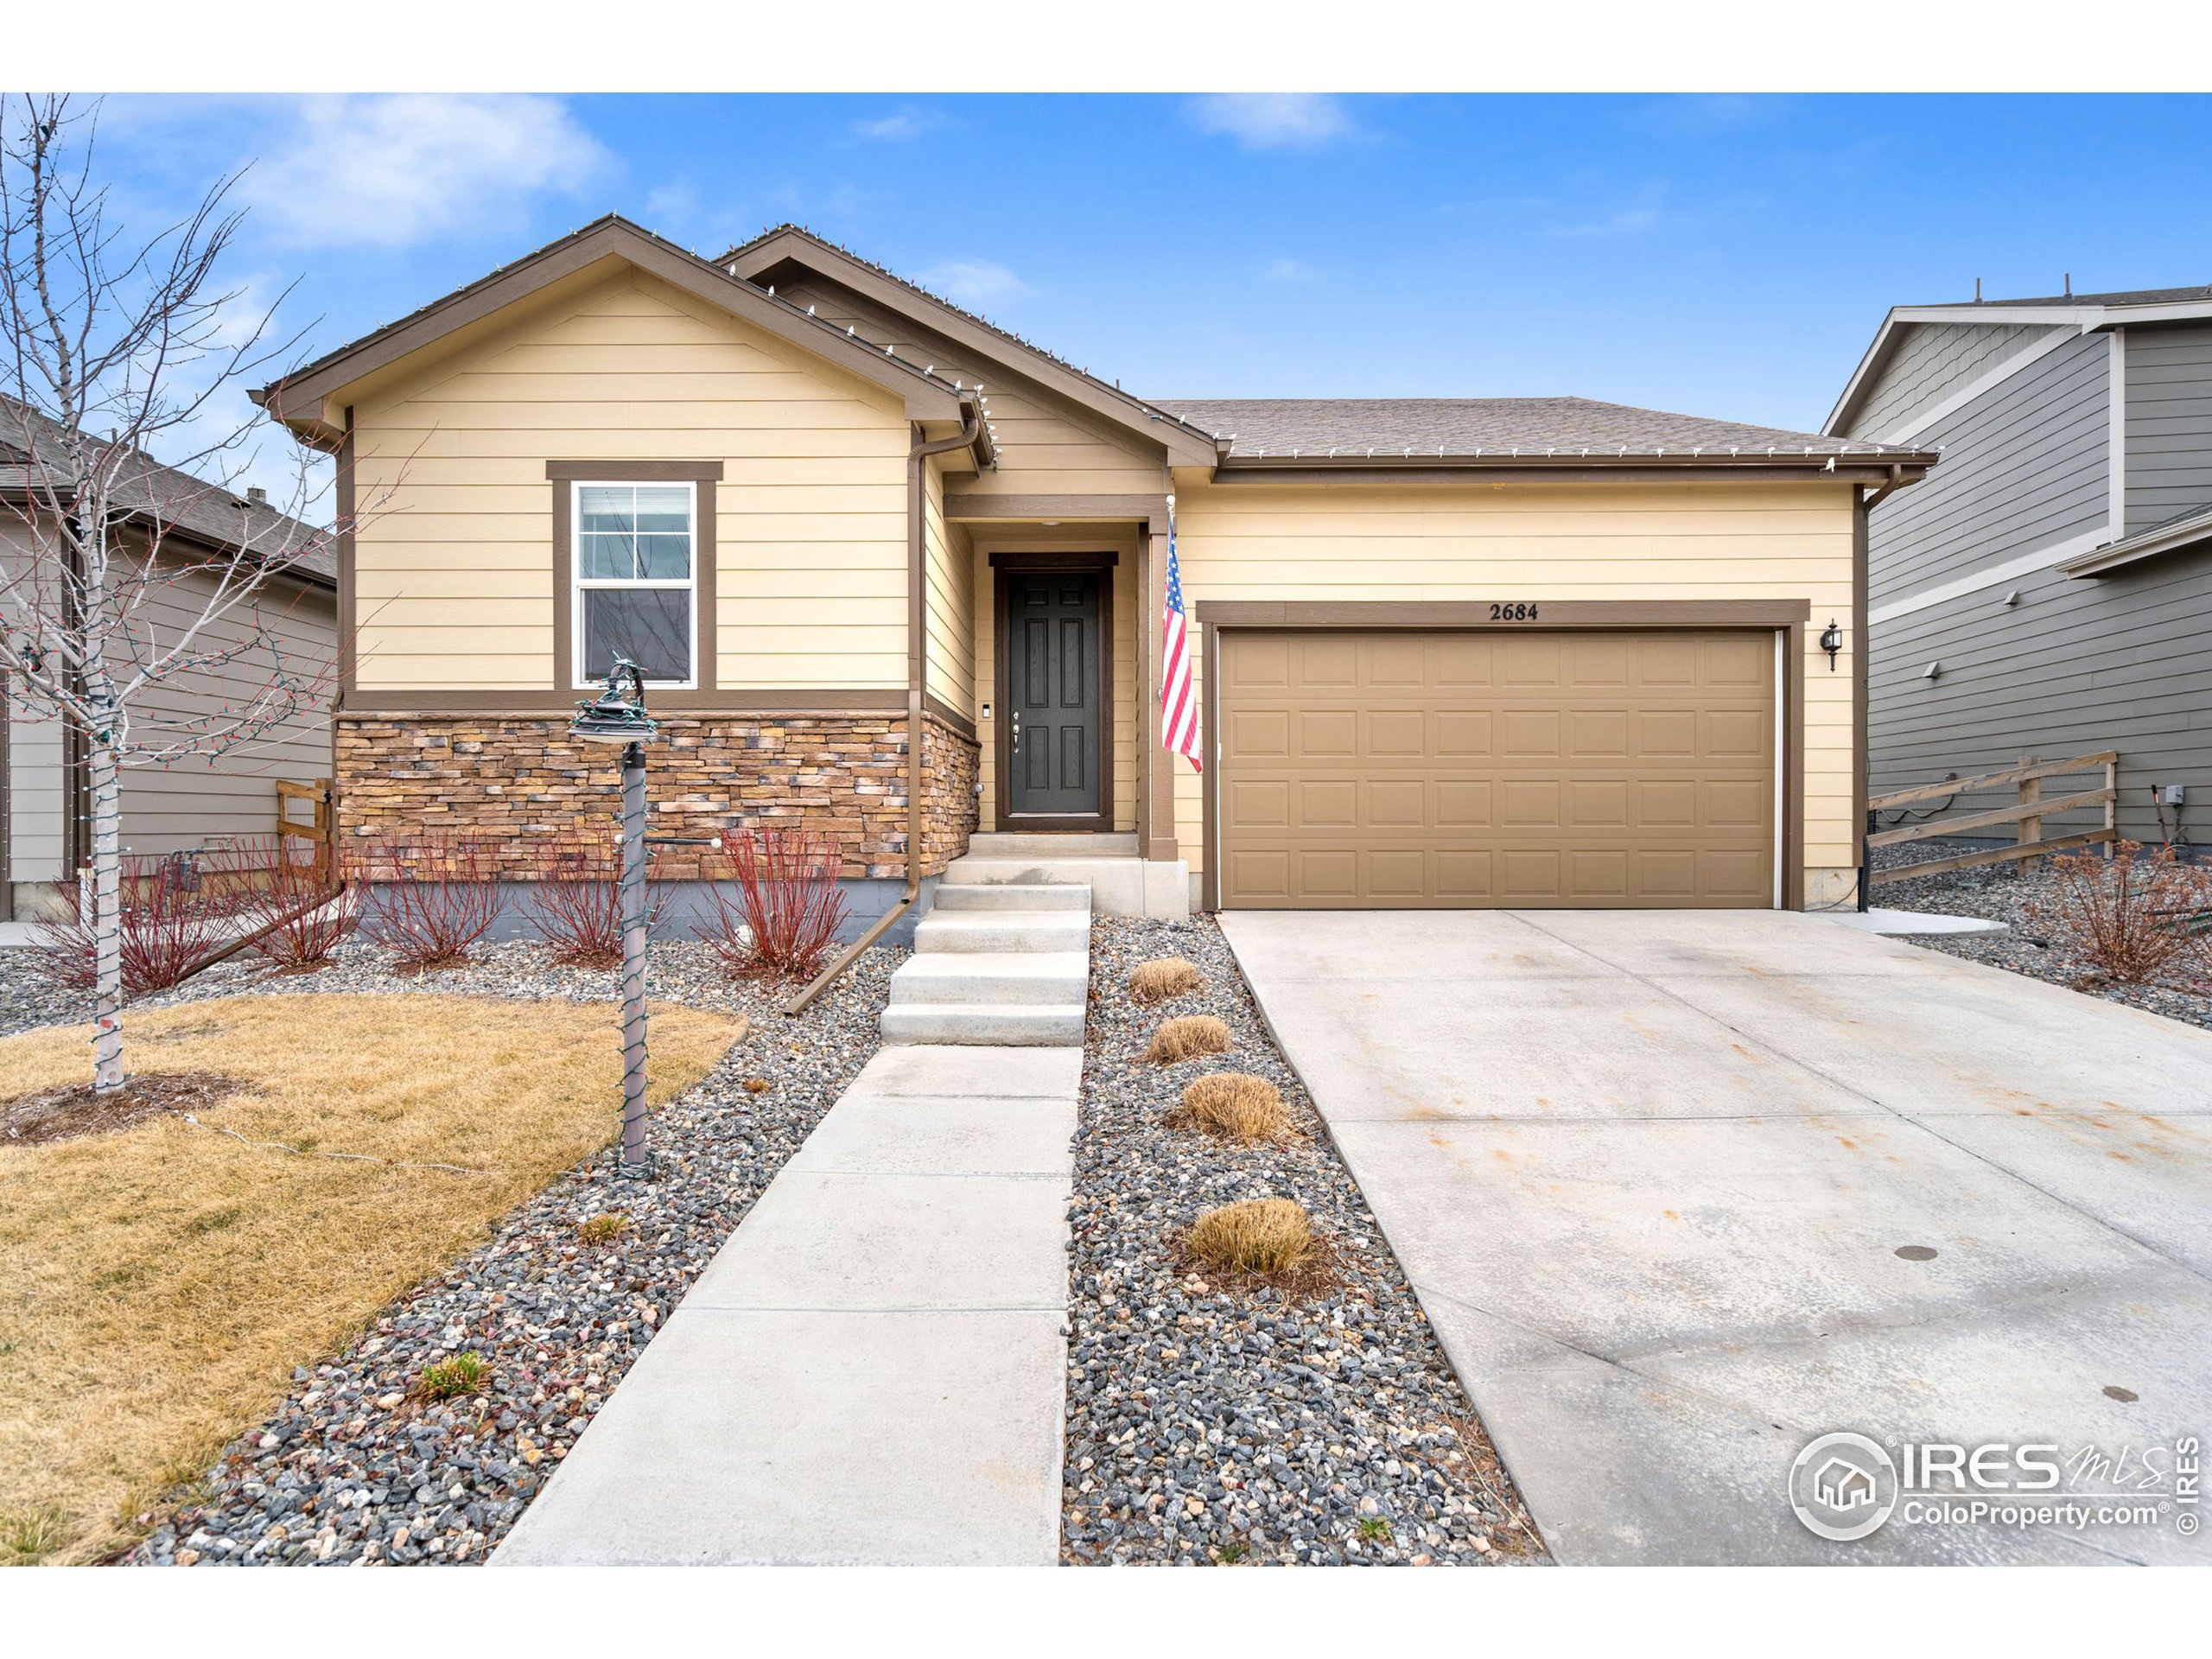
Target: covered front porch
<point x="1063" y="677"/>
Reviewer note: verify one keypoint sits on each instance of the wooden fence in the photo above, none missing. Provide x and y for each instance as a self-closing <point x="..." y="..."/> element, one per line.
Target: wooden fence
<point x="2030" y="806"/>
<point x="317" y="831"/>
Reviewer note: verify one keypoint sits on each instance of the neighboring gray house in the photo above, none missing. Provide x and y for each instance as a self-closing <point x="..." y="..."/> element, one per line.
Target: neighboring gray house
<point x="192" y="804"/>
<point x="2048" y="589"/>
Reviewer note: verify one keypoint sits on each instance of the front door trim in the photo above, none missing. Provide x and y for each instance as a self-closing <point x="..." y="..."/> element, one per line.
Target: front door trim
<point x="1097" y="562"/>
<point x="1785" y="618"/>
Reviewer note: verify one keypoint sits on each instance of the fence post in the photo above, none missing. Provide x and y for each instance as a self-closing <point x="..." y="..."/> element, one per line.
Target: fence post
<point x="2031" y="830"/>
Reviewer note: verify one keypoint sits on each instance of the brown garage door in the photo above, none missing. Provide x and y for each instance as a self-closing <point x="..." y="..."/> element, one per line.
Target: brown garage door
<point x="1362" y="771"/>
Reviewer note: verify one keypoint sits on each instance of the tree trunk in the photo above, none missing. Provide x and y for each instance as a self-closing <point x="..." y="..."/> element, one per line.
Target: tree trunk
<point x="106" y="778"/>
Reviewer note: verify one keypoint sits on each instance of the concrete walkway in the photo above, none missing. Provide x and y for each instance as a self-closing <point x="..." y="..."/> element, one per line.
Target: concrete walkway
<point x="1680" y="1191"/>
<point x="872" y="1371"/>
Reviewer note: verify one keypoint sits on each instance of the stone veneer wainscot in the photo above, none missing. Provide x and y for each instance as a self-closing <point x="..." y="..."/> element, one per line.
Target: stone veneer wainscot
<point x="515" y="779"/>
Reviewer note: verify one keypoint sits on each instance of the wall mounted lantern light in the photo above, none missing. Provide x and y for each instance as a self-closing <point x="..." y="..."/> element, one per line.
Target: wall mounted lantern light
<point x="1831" y="642"/>
<point x="619" y="716"/>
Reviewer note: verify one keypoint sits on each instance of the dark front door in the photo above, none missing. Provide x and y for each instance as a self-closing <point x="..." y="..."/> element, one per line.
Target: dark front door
<point x="1054" y="700"/>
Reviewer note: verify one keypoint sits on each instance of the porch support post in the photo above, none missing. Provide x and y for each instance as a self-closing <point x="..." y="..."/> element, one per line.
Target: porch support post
<point x="1155" y="776"/>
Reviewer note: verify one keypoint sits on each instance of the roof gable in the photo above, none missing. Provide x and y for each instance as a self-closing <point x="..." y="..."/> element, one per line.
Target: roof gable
<point x="305" y="398"/>
<point x="763" y="259"/>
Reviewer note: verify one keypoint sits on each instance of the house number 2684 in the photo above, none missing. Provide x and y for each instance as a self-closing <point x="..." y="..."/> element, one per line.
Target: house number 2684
<point x="1512" y="613"/>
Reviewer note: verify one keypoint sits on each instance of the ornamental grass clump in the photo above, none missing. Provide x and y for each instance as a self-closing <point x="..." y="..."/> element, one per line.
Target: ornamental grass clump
<point x="1234" y="1105"/>
<point x="1186" y="1037"/>
<point x="450" y="1379"/>
<point x="1266" y="1237"/>
<point x="1162" y="978"/>
<point x="603" y="1229"/>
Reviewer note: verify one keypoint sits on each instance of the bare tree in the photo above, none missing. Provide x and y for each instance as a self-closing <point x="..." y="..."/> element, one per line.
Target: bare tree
<point x="116" y="349"/>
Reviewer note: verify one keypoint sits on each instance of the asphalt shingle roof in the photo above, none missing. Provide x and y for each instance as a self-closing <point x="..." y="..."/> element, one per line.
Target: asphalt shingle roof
<point x="210" y="512"/>
<point x="1465" y="426"/>
<point x="2123" y="296"/>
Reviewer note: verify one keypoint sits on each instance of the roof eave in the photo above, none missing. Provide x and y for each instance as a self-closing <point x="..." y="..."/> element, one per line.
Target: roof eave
<point x="2135" y="549"/>
<point x="1858" y="466"/>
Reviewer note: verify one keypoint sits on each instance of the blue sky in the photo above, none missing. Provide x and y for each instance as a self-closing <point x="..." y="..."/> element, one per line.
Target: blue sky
<point x="1725" y="255"/>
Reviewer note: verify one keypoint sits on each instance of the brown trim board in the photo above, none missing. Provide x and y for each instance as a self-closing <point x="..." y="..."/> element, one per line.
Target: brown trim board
<point x="375" y="704"/>
<point x="1854" y="641"/>
<point x="1785" y="618"/>
<point x="934" y="705"/>
<point x="1101" y="564"/>
<point x="705" y="475"/>
<point x="1025" y="509"/>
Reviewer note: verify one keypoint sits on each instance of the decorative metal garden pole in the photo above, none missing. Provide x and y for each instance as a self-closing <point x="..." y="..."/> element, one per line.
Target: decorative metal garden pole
<point x="613" y="717"/>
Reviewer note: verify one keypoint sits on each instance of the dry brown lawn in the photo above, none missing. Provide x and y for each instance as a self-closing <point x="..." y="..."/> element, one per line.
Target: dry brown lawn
<point x="162" y="1281"/>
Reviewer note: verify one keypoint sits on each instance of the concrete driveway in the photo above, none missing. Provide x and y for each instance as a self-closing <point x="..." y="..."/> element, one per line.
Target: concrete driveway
<point x="1668" y="1184"/>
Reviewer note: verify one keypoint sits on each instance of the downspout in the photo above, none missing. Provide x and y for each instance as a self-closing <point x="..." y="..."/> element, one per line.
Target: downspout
<point x="1864" y="504"/>
<point x="918" y="455"/>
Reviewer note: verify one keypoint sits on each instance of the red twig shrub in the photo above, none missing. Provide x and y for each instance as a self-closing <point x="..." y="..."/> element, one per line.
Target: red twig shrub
<point x="175" y="909"/>
<point x="434" y="896"/>
<point x="300" y="912"/>
<point x="783" y="908"/>
<point x="575" y="899"/>
<point x="2124" y="914"/>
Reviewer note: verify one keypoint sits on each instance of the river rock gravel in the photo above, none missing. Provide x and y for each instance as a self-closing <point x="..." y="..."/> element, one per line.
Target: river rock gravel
<point x="1210" y="1424"/>
<point x="354" y="1468"/>
<point x="2033" y="945"/>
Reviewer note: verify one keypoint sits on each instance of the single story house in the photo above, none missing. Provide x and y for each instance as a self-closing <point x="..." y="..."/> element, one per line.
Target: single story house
<point x="187" y="804"/>
<point x="2045" y="593"/>
<point x="898" y="574"/>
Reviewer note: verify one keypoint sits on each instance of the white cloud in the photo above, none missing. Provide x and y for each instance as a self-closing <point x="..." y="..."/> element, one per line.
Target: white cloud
<point x="1273" y="120"/>
<point x="972" y="282"/>
<point x="390" y="171"/>
<point x="1291" y="270"/>
<point x="902" y="124"/>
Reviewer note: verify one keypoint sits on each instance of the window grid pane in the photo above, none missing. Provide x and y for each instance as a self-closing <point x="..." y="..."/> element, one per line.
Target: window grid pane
<point x="626" y="534"/>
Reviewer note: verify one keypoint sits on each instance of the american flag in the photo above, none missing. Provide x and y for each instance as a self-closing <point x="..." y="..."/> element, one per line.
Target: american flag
<point x="1178" y="703"/>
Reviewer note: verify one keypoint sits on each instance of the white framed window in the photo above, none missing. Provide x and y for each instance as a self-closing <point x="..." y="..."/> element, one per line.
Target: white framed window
<point x="634" y="563"/>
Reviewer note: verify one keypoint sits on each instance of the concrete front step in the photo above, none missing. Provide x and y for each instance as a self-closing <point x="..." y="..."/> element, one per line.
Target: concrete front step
<point x="951" y="895"/>
<point x="1010" y="976"/>
<point x="1003" y="929"/>
<point x="1021" y="1025"/>
<point x="1014" y="843"/>
<point x="1119" y="886"/>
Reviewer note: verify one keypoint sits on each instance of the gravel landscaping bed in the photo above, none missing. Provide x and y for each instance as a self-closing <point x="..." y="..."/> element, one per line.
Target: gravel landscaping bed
<point x="1211" y="1425"/>
<point x="2000" y="892"/>
<point x="30" y="997"/>
<point x="355" y="1468"/>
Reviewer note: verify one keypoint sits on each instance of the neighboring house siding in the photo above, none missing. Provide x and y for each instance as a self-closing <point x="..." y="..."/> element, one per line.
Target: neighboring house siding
<point x="1930" y="358"/>
<point x="2168" y="422"/>
<point x="2023" y="467"/>
<point x="193" y="802"/>
<point x="455" y="566"/>
<point x="2074" y="667"/>
<point x="1560" y="541"/>
<point x="34" y="799"/>
<point x="188" y="801"/>
<point x="1047" y="447"/>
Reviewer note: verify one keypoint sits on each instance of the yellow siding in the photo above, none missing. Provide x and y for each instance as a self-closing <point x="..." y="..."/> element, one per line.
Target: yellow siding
<point x="1540" y="541"/>
<point x="455" y="568"/>
<point x="951" y="602"/>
